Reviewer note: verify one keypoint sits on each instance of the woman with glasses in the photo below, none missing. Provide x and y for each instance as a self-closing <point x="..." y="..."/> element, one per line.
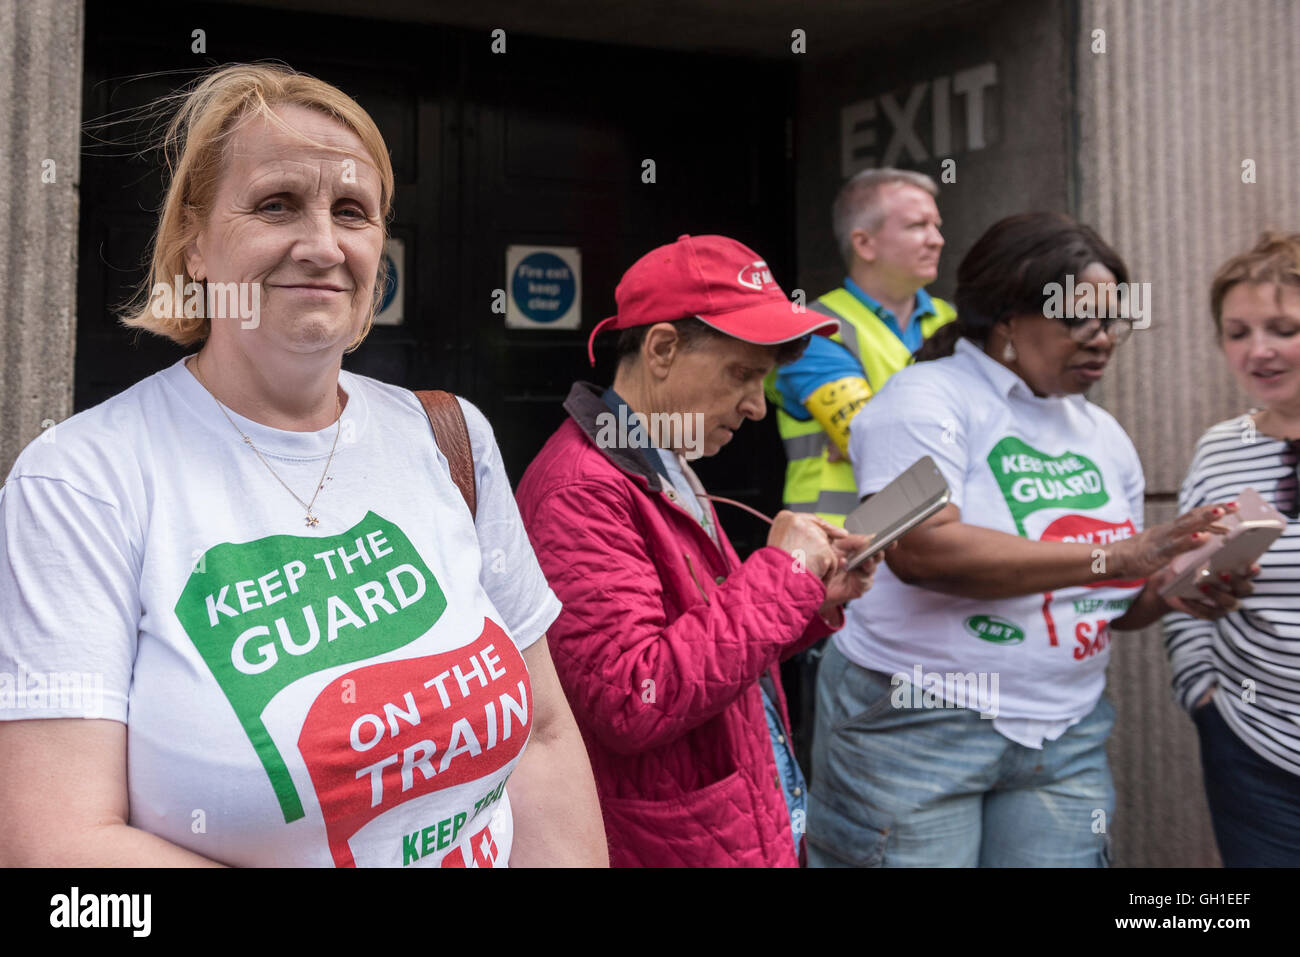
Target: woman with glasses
<point x="960" y="713"/>
<point x="1240" y="676"/>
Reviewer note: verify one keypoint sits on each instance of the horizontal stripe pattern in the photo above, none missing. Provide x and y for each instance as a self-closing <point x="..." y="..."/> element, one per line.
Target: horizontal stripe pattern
<point x="1252" y="654"/>
<point x="805" y="446"/>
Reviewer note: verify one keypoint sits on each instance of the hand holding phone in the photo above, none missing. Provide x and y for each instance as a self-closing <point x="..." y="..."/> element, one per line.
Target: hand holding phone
<point x="899" y="507"/>
<point x="800" y="533"/>
<point x="844" y="584"/>
<point x="1251" y="531"/>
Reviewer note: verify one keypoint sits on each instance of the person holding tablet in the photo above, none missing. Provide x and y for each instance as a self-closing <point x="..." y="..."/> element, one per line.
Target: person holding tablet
<point x="1239" y="677"/>
<point x="960" y="714"/>
<point x="669" y="645"/>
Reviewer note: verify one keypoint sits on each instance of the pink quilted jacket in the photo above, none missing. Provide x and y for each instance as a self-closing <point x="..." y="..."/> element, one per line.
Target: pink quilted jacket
<point x="659" y="648"/>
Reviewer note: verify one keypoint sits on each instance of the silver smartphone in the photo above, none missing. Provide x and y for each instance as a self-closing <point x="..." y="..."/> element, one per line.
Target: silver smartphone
<point x="899" y="507"/>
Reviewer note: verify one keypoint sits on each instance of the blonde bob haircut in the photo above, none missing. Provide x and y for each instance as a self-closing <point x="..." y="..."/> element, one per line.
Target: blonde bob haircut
<point x="1275" y="259"/>
<point x="195" y="146"/>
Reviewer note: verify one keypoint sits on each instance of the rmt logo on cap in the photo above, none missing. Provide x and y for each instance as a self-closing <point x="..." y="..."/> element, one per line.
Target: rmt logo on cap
<point x="714" y="279"/>
<point x="755" y="275"/>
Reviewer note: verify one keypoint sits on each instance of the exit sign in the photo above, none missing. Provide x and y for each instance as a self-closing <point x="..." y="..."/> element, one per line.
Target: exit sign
<point x="867" y="126"/>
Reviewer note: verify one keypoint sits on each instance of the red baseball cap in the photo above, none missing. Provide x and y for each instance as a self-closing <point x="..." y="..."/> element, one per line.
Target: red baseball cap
<point x="717" y="280"/>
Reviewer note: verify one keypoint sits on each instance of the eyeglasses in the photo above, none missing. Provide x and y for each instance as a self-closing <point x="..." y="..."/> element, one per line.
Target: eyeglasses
<point x="1084" y="330"/>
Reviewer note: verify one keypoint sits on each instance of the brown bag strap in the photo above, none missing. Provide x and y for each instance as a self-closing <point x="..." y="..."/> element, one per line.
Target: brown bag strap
<point x="452" y="435"/>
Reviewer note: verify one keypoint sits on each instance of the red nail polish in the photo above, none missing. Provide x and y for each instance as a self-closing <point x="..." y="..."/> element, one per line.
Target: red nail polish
<point x="1205" y="589"/>
<point x="1226" y="577"/>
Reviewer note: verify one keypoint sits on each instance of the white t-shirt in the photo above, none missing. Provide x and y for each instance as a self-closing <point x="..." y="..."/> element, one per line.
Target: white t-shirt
<point x="343" y="694"/>
<point x="1055" y="468"/>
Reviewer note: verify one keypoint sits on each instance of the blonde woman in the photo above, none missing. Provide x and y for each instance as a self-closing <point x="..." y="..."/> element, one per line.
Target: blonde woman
<point x="289" y="647"/>
<point x="1239" y="677"/>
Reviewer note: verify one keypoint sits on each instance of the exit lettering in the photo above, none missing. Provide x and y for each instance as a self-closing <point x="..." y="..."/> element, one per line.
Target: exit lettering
<point x="859" y="139"/>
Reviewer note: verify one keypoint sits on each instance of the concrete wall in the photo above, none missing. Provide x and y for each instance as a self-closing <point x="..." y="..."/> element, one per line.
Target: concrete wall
<point x="1024" y="164"/>
<point x="1185" y="92"/>
<point x="40" y="116"/>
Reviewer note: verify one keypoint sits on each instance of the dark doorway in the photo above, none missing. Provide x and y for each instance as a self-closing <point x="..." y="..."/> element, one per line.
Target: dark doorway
<point x="541" y="145"/>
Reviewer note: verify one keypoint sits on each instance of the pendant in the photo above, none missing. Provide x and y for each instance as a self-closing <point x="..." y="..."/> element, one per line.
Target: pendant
<point x="312" y="520"/>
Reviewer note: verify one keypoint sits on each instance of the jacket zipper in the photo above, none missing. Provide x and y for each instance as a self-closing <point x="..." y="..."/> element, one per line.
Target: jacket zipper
<point x="691" y="567"/>
<point x="694" y="522"/>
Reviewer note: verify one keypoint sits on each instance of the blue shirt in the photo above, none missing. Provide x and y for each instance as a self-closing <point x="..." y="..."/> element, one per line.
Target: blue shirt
<point x="793" y="787"/>
<point x="911" y="337"/>
<point x="826" y="360"/>
<point x="634" y="435"/>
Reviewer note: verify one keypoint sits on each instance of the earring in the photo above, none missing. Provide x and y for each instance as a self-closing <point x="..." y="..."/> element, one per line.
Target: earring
<point x="1009" y="353"/>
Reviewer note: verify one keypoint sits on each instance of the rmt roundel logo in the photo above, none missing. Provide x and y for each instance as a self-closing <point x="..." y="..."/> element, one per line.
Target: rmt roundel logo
<point x="755" y="276"/>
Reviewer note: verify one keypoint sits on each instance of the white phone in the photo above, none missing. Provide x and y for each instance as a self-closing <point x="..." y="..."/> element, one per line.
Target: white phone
<point x="1252" y="529"/>
<point x="899" y="507"/>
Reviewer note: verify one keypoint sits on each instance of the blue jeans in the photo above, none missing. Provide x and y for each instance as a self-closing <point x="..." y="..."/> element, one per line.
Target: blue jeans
<point x="1254" y="804"/>
<point x="903" y="786"/>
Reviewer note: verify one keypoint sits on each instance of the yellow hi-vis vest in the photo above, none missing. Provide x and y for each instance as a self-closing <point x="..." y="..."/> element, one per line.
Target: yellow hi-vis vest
<point x="812" y="483"/>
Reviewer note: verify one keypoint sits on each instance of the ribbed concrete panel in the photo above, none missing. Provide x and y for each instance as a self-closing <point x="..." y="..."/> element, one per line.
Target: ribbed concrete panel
<point x="40" y="115"/>
<point x="1161" y="817"/>
<point x="1026" y="159"/>
<point x="1186" y="91"/>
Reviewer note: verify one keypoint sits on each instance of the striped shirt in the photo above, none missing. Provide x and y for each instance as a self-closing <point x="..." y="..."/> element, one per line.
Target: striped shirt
<point x="1252" y="654"/>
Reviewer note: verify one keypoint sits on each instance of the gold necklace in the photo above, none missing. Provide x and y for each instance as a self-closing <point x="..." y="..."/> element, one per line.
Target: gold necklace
<point x="312" y="521"/>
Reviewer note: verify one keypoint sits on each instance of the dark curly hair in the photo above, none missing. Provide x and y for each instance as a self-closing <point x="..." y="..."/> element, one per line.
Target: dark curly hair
<point x="1005" y="272"/>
